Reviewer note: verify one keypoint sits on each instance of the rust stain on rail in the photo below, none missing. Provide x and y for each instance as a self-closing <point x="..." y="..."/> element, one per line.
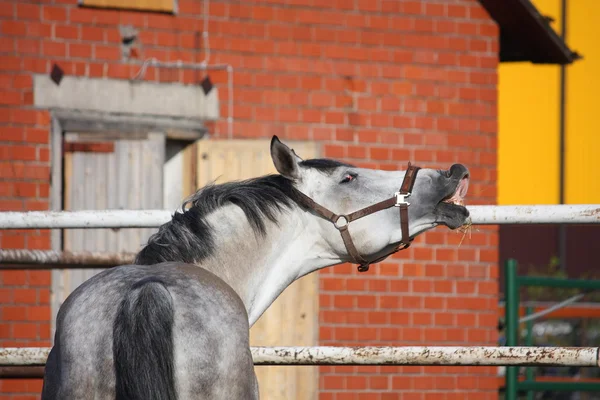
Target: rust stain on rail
<point x="592" y="213"/>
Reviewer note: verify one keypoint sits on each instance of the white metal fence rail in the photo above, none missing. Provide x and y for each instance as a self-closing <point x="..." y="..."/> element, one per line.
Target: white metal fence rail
<point x="19" y="358"/>
<point x="325" y="355"/>
<point x="480" y="215"/>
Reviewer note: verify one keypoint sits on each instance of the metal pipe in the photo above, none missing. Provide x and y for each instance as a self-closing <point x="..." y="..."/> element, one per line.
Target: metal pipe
<point x="535" y="214"/>
<point x="574" y="386"/>
<point x="418" y="355"/>
<point x="27" y="372"/>
<point x="562" y="229"/>
<point x="84" y="219"/>
<point x="511" y="288"/>
<point x="542" y="281"/>
<point x="480" y="215"/>
<point x="529" y="375"/>
<point x="530" y="317"/>
<point x="48" y="259"/>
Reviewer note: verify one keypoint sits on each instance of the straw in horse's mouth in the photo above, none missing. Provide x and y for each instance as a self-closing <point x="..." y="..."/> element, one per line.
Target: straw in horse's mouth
<point x="458" y="198"/>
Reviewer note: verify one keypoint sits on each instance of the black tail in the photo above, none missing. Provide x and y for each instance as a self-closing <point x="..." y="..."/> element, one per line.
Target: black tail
<point x="143" y="343"/>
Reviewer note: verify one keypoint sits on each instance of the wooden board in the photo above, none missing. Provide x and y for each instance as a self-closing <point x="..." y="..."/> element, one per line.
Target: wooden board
<point x="147" y="5"/>
<point x="292" y="320"/>
<point x="129" y="178"/>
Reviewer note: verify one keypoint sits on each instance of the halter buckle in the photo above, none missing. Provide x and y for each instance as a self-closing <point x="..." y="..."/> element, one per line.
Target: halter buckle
<point x="401" y="199"/>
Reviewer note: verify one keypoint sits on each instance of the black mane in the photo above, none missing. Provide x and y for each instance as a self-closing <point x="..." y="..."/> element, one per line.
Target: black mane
<point x="188" y="238"/>
<point x="323" y="164"/>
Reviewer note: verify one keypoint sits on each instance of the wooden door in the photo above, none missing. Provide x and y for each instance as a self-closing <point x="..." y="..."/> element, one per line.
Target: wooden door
<point x="107" y="171"/>
<point x="292" y="320"/>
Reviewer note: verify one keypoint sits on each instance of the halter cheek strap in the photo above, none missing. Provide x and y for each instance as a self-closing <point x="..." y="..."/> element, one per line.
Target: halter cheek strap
<point x="341" y="222"/>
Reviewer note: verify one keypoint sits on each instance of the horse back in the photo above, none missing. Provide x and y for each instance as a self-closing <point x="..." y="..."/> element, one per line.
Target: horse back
<point x="205" y="319"/>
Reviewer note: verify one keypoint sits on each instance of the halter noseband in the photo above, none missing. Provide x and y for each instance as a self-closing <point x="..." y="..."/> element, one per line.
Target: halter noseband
<point x="341" y="222"/>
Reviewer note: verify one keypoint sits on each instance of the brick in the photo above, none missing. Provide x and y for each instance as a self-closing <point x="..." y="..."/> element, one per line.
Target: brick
<point x="54" y="49"/>
<point x="21" y="385"/>
<point x="39" y="29"/>
<point x="379" y="153"/>
<point x="45" y="331"/>
<point x="43" y="154"/>
<point x="390" y="334"/>
<point x="9" y="63"/>
<point x="25" y="189"/>
<point x="5" y="330"/>
<point x="14" y="277"/>
<point x="334" y="151"/>
<point x="38" y="242"/>
<point x="102" y="52"/>
<point x="10" y="97"/>
<point x="54" y="13"/>
<point x="24" y="331"/>
<point x="91" y="33"/>
<point x="6" y="189"/>
<point x="7" y="46"/>
<point x="43" y="296"/>
<point x="66" y="32"/>
<point x="343" y="301"/>
<point x="40" y="278"/>
<point x="333" y="382"/>
<point x="321" y="100"/>
<point x="25" y="296"/>
<point x="17" y="152"/>
<point x="14" y="313"/>
<point x="379" y="382"/>
<point x="366" y="301"/>
<point x="36" y="65"/>
<point x="38" y="313"/>
<point x="166" y="39"/>
<point x="13" y="28"/>
<point x="6" y="295"/>
<point x="111" y="17"/>
<point x="334" y="117"/>
<point x="11" y="241"/>
<point x="7" y="9"/>
<point x="28" y="46"/>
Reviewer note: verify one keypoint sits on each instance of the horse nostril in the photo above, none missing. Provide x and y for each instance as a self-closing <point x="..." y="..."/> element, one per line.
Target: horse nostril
<point x="457" y="170"/>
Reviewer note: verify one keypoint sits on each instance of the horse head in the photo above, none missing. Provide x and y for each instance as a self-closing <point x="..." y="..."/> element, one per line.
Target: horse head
<point x="366" y="214"/>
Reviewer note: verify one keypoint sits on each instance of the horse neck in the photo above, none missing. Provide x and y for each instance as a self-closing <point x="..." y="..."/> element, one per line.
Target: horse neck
<point x="259" y="267"/>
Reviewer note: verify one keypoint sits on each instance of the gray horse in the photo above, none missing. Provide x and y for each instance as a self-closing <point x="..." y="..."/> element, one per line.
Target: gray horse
<point x="176" y="324"/>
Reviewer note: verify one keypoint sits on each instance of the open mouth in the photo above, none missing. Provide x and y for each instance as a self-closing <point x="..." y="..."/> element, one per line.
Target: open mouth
<point x="458" y="197"/>
<point x="451" y="210"/>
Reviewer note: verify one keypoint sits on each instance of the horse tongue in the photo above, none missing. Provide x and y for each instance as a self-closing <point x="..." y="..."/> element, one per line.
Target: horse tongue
<point x="458" y="197"/>
<point x="463" y="187"/>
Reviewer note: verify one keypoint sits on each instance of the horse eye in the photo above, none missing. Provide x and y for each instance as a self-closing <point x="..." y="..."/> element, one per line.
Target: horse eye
<point x="348" y="178"/>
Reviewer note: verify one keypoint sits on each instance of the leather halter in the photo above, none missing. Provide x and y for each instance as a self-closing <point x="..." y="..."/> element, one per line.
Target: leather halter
<point x="342" y="221"/>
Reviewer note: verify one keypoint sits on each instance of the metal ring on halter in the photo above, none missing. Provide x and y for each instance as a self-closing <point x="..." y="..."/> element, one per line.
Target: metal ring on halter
<point x="339" y="226"/>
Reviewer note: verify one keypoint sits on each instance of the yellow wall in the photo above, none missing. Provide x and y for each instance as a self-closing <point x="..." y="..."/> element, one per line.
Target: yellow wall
<point x="528" y="137"/>
<point x="583" y="104"/>
<point x="528" y="141"/>
<point x="529" y="106"/>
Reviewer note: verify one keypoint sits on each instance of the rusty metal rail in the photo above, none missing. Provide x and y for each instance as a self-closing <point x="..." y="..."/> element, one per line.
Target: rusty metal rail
<point x="26" y="362"/>
<point x="427" y="355"/>
<point x="480" y="215"/>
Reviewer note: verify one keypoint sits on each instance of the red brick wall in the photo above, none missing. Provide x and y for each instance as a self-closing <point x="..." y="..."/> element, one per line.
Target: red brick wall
<point x="24" y="185"/>
<point x="379" y="82"/>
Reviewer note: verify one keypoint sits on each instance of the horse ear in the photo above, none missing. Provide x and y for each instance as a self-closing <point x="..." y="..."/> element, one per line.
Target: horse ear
<point x="285" y="159"/>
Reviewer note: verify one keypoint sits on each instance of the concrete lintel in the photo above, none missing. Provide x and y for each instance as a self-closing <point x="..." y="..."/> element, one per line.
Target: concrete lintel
<point x="126" y="97"/>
